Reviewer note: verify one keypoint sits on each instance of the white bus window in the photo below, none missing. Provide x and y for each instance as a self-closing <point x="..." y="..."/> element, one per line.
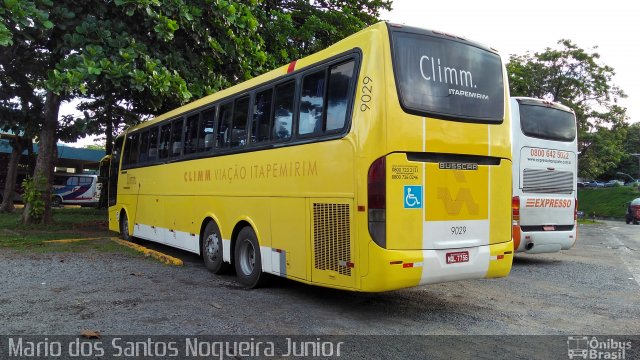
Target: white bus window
<point x="72" y="181"/>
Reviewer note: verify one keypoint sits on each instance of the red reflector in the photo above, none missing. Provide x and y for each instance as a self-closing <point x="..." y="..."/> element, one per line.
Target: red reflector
<point x="407" y="265"/>
<point x="362" y="208"/>
<point x="500" y="257"/>
<point x="292" y="66"/>
<point x="395" y="262"/>
<point x="350" y="264"/>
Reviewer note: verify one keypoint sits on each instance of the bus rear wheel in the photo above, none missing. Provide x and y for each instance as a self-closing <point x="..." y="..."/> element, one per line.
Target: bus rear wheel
<point x="212" y="249"/>
<point x="124" y="227"/>
<point x="248" y="262"/>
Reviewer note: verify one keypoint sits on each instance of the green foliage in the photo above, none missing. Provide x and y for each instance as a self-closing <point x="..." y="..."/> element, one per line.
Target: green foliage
<point x="606" y="202"/>
<point x="629" y="164"/>
<point x="34" y="187"/>
<point x="292" y="29"/>
<point x="574" y="77"/>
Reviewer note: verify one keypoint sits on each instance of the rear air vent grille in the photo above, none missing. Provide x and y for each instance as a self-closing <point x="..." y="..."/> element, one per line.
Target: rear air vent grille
<point x="331" y="237"/>
<point x="547" y="181"/>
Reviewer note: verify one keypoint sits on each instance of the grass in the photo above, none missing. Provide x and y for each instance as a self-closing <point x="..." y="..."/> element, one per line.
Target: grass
<point x="606" y="202"/>
<point x="69" y="223"/>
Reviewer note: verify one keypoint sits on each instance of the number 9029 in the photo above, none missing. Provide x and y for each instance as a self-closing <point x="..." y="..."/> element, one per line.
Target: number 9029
<point x="458" y="230"/>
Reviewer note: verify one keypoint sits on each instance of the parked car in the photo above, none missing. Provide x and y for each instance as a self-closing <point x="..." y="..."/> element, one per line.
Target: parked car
<point x="633" y="212"/>
<point x="595" y="184"/>
<point x="613" y="183"/>
<point x="635" y="182"/>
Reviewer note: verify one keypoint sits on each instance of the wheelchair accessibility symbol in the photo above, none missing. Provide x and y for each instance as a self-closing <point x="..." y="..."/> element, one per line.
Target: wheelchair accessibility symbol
<point x="413" y="197"/>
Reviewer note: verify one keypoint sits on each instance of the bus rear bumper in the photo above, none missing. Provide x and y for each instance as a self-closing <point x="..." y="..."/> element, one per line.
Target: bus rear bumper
<point x="395" y="269"/>
<point x="538" y="242"/>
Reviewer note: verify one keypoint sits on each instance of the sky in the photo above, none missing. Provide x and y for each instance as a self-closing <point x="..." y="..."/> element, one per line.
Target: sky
<point x="515" y="27"/>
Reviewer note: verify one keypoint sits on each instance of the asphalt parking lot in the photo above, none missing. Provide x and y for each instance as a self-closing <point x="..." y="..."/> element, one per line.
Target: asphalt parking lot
<point x="590" y="289"/>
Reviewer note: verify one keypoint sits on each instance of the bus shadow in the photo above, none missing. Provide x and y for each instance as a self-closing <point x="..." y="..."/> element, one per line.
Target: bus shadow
<point x="524" y="260"/>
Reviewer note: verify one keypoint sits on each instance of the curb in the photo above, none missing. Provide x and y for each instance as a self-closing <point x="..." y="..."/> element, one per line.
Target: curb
<point x="167" y="259"/>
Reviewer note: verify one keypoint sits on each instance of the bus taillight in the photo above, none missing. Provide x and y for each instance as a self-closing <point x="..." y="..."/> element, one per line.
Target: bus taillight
<point x="515" y="209"/>
<point x="575" y="211"/>
<point x="377" y="201"/>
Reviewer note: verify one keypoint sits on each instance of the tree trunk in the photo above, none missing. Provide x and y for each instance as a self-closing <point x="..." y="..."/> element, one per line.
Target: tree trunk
<point x="12" y="175"/>
<point x="46" y="157"/>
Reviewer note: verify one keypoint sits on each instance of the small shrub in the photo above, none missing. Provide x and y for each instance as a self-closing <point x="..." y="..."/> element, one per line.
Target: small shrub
<point x="34" y="187"/>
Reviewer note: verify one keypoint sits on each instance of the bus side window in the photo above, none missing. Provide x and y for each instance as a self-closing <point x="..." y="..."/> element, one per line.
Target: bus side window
<point x="261" y="116"/>
<point x="207" y="134"/>
<point x="163" y="147"/>
<point x="239" y="126"/>
<point x="153" y="144"/>
<point x="176" y="138"/>
<point x="312" y="104"/>
<point x="338" y="91"/>
<point x="144" y="146"/>
<point x="224" y="127"/>
<point x="191" y="134"/>
<point x="283" y="111"/>
<point x="72" y="181"/>
<point x="84" y="180"/>
<point x="133" y="148"/>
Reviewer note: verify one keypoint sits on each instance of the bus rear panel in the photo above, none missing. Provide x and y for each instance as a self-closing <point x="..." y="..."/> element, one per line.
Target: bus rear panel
<point x="544" y="202"/>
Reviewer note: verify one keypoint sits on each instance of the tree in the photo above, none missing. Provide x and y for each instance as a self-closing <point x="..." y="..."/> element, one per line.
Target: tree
<point x="141" y="50"/>
<point x="575" y="77"/>
<point x="135" y="58"/>
<point x="629" y="163"/>
<point x="292" y="29"/>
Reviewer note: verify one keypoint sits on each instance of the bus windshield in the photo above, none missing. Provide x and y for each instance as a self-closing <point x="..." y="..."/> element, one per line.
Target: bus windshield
<point x="547" y="123"/>
<point x="446" y="78"/>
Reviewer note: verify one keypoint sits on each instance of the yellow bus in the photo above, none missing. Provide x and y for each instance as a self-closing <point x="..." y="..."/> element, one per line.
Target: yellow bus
<point x="381" y="162"/>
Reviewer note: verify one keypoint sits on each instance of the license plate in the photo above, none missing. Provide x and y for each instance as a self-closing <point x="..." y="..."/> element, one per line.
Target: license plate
<point x="548" y="228"/>
<point x="457" y="257"/>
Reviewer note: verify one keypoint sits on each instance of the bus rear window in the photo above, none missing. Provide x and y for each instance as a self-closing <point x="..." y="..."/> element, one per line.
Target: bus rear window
<point x="449" y="79"/>
<point x="547" y="123"/>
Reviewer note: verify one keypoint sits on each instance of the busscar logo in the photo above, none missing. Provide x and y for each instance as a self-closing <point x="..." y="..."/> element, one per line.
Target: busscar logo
<point x="457" y="166"/>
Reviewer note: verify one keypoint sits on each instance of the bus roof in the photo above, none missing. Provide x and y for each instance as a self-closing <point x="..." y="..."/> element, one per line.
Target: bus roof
<point x="534" y="101"/>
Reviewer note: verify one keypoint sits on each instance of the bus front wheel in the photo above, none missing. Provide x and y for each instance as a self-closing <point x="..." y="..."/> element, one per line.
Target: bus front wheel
<point x="212" y="249"/>
<point x="124" y="227"/>
<point x="248" y="262"/>
<point x="56" y="201"/>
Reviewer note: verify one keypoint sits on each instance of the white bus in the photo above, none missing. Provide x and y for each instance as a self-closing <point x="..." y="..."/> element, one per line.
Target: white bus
<point x="76" y="189"/>
<point x="544" y="150"/>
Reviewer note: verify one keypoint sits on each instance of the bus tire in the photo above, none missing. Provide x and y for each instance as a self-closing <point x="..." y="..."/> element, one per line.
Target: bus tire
<point x="247" y="260"/>
<point x="56" y="201"/>
<point x="212" y="249"/>
<point x="124" y="227"/>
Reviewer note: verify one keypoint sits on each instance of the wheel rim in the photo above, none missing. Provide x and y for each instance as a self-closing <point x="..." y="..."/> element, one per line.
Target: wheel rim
<point x="247" y="257"/>
<point x="212" y="247"/>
